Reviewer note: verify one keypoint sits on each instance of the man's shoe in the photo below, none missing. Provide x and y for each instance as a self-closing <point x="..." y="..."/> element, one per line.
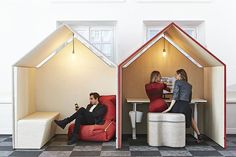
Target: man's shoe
<point x="61" y="123"/>
<point x="73" y="140"/>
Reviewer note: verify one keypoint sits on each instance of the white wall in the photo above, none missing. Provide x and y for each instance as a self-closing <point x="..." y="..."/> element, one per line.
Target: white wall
<point x="25" y="23"/>
<point x="6" y="118"/>
<point x="71" y="77"/>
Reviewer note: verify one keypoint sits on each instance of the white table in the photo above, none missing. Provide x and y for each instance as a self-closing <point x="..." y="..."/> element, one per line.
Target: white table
<point x="136" y="101"/>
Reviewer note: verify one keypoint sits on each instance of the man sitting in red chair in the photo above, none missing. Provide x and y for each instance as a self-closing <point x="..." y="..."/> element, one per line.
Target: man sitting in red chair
<point x="93" y="114"/>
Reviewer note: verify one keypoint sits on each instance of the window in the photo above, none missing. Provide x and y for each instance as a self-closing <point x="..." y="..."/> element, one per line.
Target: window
<point x="102" y="37"/>
<point x="152" y="31"/>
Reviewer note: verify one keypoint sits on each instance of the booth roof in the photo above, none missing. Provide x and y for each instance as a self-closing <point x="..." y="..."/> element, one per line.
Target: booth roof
<point x="55" y="42"/>
<point x="180" y="38"/>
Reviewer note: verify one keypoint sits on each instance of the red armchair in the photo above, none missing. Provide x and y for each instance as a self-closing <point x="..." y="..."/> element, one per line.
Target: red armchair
<point x="104" y="132"/>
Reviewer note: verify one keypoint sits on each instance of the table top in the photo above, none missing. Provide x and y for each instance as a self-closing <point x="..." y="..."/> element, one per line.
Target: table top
<point x="146" y="100"/>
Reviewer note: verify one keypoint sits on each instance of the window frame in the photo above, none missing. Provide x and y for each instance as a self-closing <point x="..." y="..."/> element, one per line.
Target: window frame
<point x="100" y="25"/>
<point x="148" y="28"/>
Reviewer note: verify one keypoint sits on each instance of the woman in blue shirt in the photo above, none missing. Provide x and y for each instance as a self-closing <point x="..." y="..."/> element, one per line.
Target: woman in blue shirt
<point x="182" y="96"/>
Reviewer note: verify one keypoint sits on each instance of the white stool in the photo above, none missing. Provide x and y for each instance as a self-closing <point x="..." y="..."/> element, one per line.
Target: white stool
<point x="166" y="129"/>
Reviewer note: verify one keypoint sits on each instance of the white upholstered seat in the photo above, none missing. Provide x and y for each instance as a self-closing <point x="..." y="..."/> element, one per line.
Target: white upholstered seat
<point x="166" y="129"/>
<point x="35" y="130"/>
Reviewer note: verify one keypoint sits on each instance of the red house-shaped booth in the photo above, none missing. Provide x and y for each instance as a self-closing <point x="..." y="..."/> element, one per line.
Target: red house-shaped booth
<point x="206" y="73"/>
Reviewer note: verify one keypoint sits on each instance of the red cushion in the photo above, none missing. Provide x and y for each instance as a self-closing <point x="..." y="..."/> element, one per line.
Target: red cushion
<point x="103" y="132"/>
<point x="111" y="98"/>
<point x="111" y="111"/>
<point x="110" y="102"/>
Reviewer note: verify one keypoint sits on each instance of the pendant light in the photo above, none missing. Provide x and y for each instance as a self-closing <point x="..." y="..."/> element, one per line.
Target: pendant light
<point x="164" y="49"/>
<point x="73" y="51"/>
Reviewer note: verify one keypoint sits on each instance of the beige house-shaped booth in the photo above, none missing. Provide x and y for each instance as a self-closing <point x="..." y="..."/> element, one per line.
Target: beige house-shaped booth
<point x="206" y="73"/>
<point x="59" y="72"/>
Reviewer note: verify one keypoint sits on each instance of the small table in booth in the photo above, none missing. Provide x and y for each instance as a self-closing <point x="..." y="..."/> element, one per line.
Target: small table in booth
<point x="137" y="101"/>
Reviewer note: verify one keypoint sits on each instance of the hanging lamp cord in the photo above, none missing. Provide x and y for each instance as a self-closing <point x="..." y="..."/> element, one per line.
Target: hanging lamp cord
<point x="73" y="44"/>
<point x="164" y="42"/>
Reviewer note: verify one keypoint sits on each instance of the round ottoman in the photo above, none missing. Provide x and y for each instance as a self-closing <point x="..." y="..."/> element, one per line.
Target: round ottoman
<point x="166" y="129"/>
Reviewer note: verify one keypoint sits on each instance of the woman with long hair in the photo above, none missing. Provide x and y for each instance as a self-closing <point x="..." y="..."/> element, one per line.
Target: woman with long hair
<point x="182" y="96"/>
<point x="154" y="90"/>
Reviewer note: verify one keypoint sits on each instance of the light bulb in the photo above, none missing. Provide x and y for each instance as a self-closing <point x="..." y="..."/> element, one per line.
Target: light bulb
<point x="164" y="52"/>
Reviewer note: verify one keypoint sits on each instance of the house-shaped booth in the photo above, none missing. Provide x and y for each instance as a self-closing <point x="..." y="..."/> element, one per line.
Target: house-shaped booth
<point x="59" y="72"/>
<point x="206" y="73"/>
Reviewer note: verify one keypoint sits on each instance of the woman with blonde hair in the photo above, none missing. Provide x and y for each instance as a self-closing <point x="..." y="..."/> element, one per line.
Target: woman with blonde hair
<point x="154" y="90"/>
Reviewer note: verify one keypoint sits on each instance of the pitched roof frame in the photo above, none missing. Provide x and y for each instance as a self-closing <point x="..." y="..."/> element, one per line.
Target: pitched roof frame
<point x="171" y="42"/>
<point x="183" y="52"/>
<point x="80" y="38"/>
<point x="55" y="52"/>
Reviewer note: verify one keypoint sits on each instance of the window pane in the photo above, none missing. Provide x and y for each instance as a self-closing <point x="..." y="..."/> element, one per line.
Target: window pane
<point x="82" y="30"/>
<point x="84" y="33"/>
<point x="98" y="46"/>
<point x="191" y="32"/>
<point x="152" y="33"/>
<point x="107" y="49"/>
<point x="107" y="36"/>
<point x="95" y="36"/>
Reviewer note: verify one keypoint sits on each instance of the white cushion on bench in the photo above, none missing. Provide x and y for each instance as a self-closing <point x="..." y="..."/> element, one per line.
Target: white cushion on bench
<point x="166" y="129"/>
<point x="35" y="130"/>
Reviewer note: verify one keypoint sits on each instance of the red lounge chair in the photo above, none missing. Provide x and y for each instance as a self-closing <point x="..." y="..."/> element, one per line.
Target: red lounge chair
<point x="104" y="132"/>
